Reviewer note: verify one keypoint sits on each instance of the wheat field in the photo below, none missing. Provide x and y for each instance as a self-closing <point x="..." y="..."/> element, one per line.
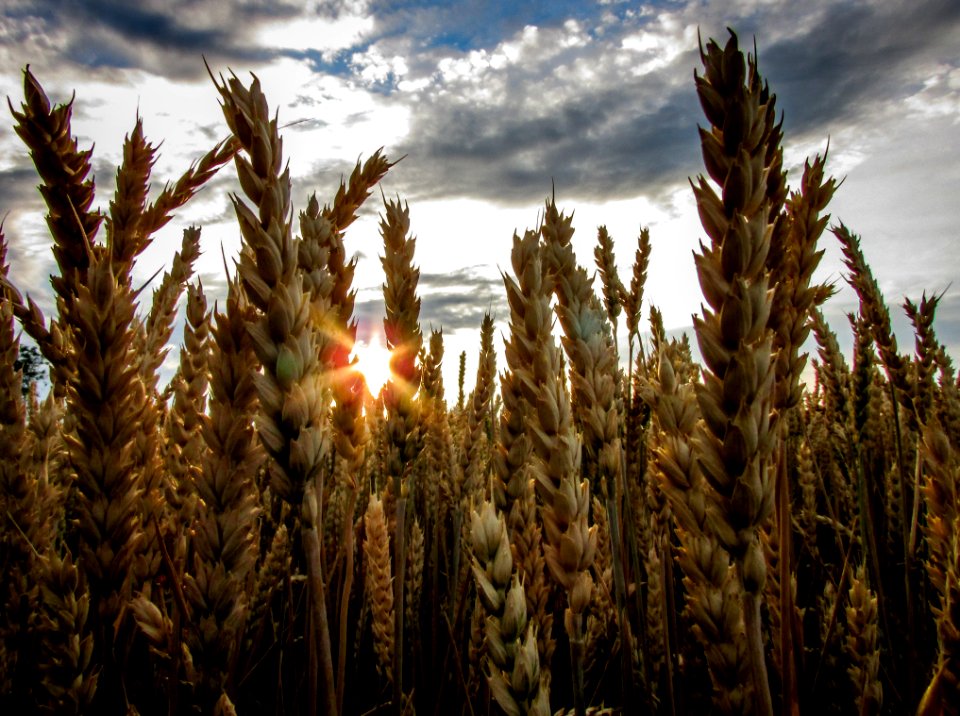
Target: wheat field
<point x="583" y="533"/>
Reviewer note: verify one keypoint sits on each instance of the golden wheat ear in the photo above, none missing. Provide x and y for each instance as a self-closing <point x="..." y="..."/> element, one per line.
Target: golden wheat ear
<point x="740" y="150"/>
<point x="67" y="185"/>
<point x="378" y="586"/>
<point x="862" y="645"/>
<point x="478" y="408"/>
<point x="613" y="289"/>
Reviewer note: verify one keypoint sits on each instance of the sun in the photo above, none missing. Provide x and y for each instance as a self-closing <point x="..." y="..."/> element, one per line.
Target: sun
<point x="373" y="361"/>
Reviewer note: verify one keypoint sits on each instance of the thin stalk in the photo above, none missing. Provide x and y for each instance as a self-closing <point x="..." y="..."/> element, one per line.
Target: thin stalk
<point x="670" y="632"/>
<point x="399" y="568"/>
<point x="620" y="592"/>
<point x="907" y="552"/>
<point x="345" y="599"/>
<point x="575" y="632"/>
<point x="790" y="701"/>
<point x="321" y="631"/>
<point x="762" y="701"/>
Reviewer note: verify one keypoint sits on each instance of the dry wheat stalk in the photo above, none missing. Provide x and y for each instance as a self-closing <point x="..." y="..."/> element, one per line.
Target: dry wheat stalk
<point x="877" y="316"/>
<point x="792" y="259"/>
<point x="921" y="316"/>
<point x="632" y="300"/>
<point x="159" y="211"/>
<point x="512" y="452"/>
<point x="153" y="336"/>
<point x="404" y="339"/>
<point x="602" y="640"/>
<point x="529" y="314"/>
<point x="589" y="348"/>
<point x="341" y="214"/>
<point x="294" y="396"/>
<point x="414" y="576"/>
<point x="441" y="492"/>
<point x="513" y="665"/>
<point x="378" y="587"/>
<point x="862" y="645"/>
<point x="492" y="564"/>
<point x="18" y="495"/>
<point x="67" y="674"/>
<point x="571" y="542"/>
<point x="711" y="585"/>
<point x="941" y="490"/>
<point x="126" y="209"/>
<point x="594" y="379"/>
<point x="351" y="196"/>
<point x="474" y="469"/>
<point x="833" y="371"/>
<point x="108" y="402"/>
<point x="613" y="289"/>
<point x="184" y="442"/>
<point x="948" y="396"/>
<point x="274" y="569"/>
<point x="736" y="439"/>
<point x="655" y="616"/>
<point x="808" y="483"/>
<point x="794" y="298"/>
<point x="66" y="188"/>
<point x="403" y="426"/>
<point x="513" y="488"/>
<point x="218" y="586"/>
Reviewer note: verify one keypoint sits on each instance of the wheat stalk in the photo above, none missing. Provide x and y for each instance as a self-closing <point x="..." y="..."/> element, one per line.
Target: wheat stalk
<point x="711" y="586"/>
<point x="571" y="543"/>
<point x="477" y="409"/>
<point x="734" y="445"/>
<point x="513" y="488"/>
<point x="294" y="399"/>
<point x="862" y="646"/>
<point x="378" y="586"/>
<point x="67" y="671"/>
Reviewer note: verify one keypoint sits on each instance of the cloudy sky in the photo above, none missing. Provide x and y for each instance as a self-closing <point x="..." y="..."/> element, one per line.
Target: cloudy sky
<point x="495" y="102"/>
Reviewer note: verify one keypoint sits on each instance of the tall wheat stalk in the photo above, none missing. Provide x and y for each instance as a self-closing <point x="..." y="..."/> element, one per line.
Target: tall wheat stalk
<point x="293" y="389"/>
<point x="737" y="436"/>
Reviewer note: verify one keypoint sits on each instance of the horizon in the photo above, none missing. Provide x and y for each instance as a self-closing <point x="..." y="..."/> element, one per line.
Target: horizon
<point x="494" y="105"/>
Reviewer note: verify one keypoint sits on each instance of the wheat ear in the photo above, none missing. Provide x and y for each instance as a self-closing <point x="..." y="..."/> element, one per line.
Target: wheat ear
<point x="862" y="645"/>
<point x="737" y="437"/>
<point x="512" y="658"/>
<point x="378" y="584"/>
<point x="67" y="672"/>
<point x="565" y="501"/>
<point x="67" y="187"/>
<point x="513" y="488"/>
<point x="477" y="409"/>
<point x="219" y="584"/>
<point x="613" y="288"/>
<point x="711" y="586"/>
<point x="294" y="399"/>
<point x="941" y="490"/>
<point x="184" y="442"/>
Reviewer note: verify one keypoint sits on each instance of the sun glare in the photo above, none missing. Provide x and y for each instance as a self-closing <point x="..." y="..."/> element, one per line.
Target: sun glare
<point x="373" y="361"/>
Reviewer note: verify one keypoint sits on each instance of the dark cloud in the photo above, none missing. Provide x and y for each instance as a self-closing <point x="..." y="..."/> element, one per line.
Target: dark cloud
<point x="858" y="55"/>
<point x="619" y="135"/>
<point x="165" y="37"/>
<point x="602" y="143"/>
<point x="453" y="301"/>
<point x="18" y="189"/>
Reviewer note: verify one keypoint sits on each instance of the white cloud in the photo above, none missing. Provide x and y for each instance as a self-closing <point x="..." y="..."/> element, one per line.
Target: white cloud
<point x="322" y="28"/>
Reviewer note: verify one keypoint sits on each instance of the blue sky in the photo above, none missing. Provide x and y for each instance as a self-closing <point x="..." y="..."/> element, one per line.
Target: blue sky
<point x="495" y="102"/>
